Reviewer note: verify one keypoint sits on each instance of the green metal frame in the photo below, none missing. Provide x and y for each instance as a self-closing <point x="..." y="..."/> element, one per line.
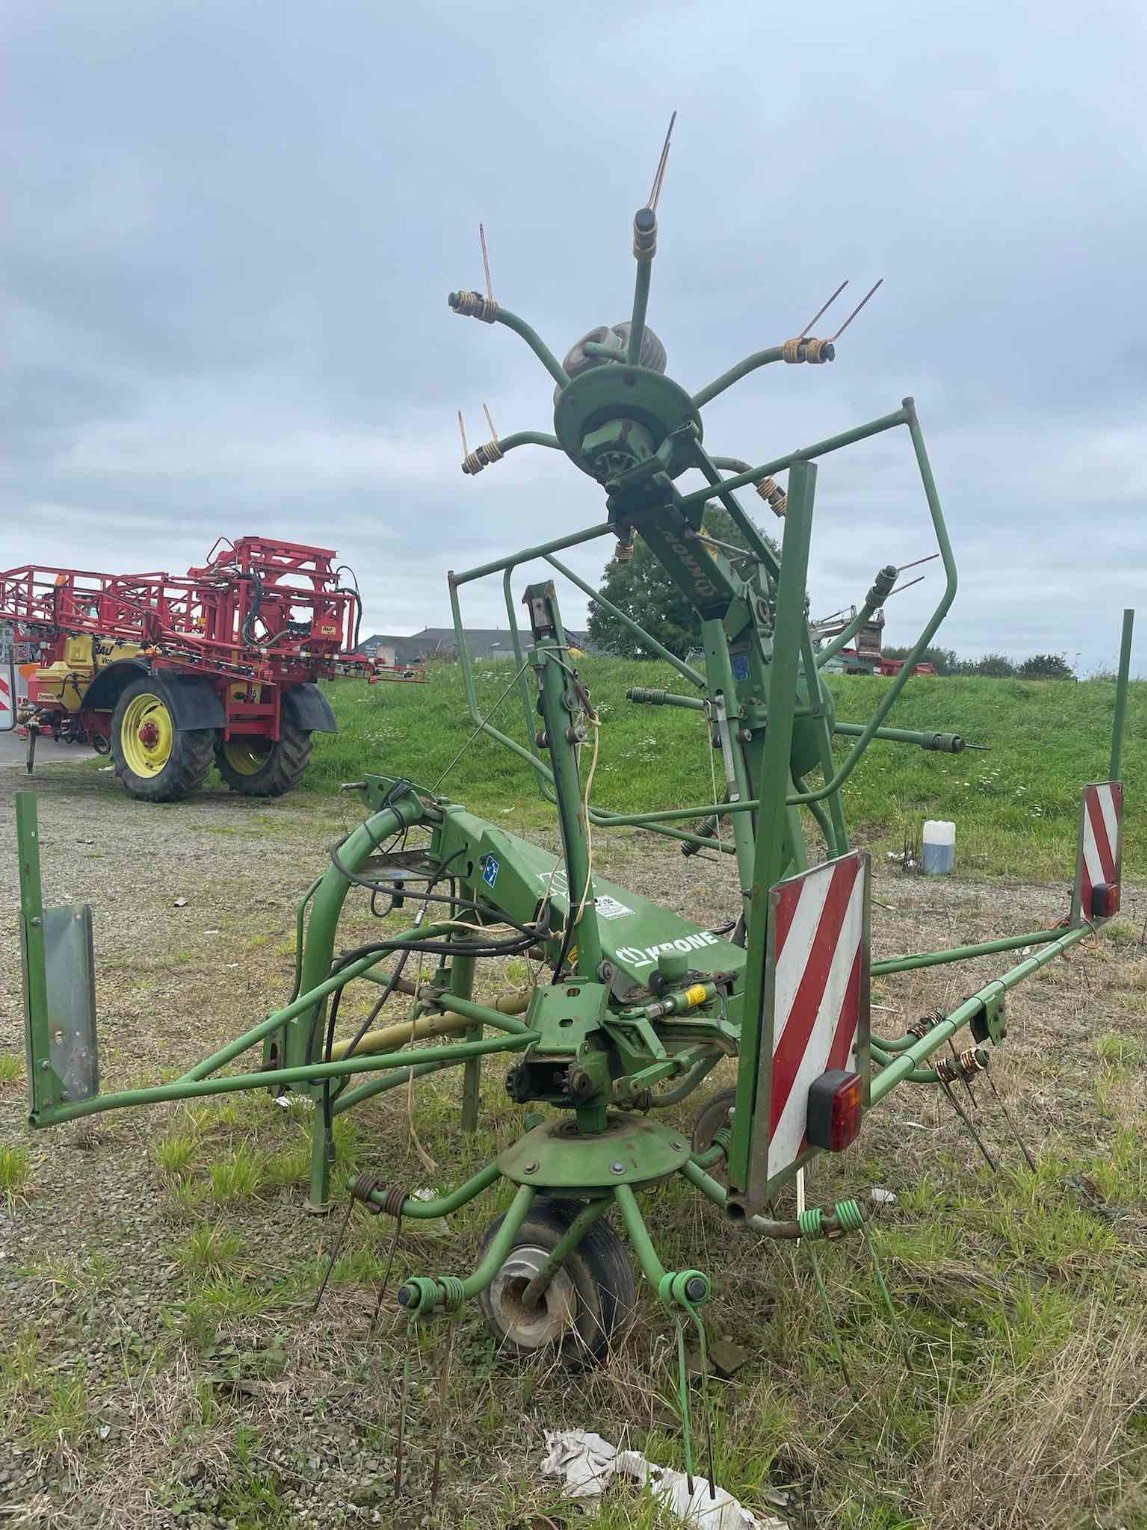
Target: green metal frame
<point x="643" y="1002"/>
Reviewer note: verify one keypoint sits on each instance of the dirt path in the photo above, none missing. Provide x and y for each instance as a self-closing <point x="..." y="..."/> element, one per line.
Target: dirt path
<point x="158" y="1361"/>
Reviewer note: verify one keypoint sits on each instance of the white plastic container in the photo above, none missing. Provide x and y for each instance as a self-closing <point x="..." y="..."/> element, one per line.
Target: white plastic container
<point x="939" y="847"/>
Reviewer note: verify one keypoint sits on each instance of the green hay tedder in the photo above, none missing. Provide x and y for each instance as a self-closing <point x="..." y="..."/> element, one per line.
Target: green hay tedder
<point x="632" y="1005"/>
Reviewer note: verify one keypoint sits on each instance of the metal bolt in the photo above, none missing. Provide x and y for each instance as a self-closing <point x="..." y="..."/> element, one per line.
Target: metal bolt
<point x="617" y="1168"/>
<point x="695" y="1289"/>
<point x="531" y="1167"/>
<point x="677" y="1146"/>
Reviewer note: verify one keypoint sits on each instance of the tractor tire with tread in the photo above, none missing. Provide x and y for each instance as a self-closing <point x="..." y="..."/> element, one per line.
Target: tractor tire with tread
<point x="261" y="767"/>
<point x="589" y="1304"/>
<point x="156" y="760"/>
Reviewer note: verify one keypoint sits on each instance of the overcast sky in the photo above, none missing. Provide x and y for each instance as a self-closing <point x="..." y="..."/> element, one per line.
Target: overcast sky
<point x="230" y="229"/>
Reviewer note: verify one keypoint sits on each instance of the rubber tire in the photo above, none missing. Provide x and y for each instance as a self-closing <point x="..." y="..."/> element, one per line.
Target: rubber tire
<point x="192" y="750"/>
<point x="603" y="1277"/>
<point x="284" y="767"/>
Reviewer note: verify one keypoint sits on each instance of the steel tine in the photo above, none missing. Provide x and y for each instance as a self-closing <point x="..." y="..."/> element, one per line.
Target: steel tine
<point x="857" y="309"/>
<point x="822" y="311"/>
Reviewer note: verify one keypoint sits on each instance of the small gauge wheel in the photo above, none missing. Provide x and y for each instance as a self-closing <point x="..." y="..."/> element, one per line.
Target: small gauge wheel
<point x="588" y="1304"/>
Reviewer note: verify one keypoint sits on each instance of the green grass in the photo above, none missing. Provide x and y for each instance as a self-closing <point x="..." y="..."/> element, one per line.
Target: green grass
<point x="1016" y="806"/>
<point x="11" y="1068"/>
<point x="14" y="1170"/>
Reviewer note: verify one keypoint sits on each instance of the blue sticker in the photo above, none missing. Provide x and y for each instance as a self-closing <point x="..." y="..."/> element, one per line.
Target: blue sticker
<point x="740" y="666"/>
<point x="490" y="871"/>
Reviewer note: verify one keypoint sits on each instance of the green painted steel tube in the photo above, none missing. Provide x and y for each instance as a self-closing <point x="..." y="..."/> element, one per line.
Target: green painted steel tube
<point x="550" y="659"/>
<point x="301" y="1032"/>
<point x="352" y="1097"/>
<point x="651" y="1266"/>
<point x="887" y="701"/>
<point x="653" y="825"/>
<point x="535" y="342"/>
<point x="910" y="1059"/>
<point x="640" y="304"/>
<point x="643" y="696"/>
<point x="470" y="1009"/>
<point x="734" y="374"/>
<point x="305" y="1001"/>
<point x="802" y="454"/>
<point x="1120" y="719"/>
<point x="278" y="1078"/>
<point x="591" y="1213"/>
<point x="441" y="1205"/>
<point x="542" y="550"/>
<point x="501" y="1243"/>
<point x="941" y="743"/>
<point x="526" y="695"/>
<point x="598" y="598"/>
<point x="528" y="438"/>
<point x="695" y="1174"/>
<point x="768" y="862"/>
<point x="961" y="954"/>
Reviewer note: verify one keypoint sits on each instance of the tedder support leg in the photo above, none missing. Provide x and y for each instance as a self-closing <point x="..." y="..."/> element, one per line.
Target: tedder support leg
<point x="462" y="987"/>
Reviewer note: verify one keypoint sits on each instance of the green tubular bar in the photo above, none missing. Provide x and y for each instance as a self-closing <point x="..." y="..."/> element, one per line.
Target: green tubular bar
<point x="640" y="304"/>
<point x="803" y="454"/>
<point x="495" y="1256"/>
<point x="1118" y="722"/>
<point x="540" y="349"/>
<point x="528" y="438"/>
<point x="470" y="1009"/>
<point x="896" y="1072"/>
<point x="300" y="1031"/>
<point x="442" y="1205"/>
<point x="659" y="649"/>
<point x="352" y="1097"/>
<point x="887" y="701"/>
<point x="305" y="1001"/>
<point x="734" y="374"/>
<point x="590" y="1213"/>
<point x="959" y="954"/>
<point x="275" y="1078"/>
<point x="651" y="1266"/>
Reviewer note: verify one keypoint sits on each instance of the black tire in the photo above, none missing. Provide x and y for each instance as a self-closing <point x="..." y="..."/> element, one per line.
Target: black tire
<point x="714" y="1114"/>
<point x="596" y="1280"/>
<point x="163" y="776"/>
<point x="262" y="767"/>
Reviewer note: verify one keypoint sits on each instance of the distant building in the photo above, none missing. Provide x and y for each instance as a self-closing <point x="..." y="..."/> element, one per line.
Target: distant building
<point x="440" y="643"/>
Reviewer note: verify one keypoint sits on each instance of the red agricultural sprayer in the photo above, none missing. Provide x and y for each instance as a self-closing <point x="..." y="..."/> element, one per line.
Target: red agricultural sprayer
<point x="171" y="673"/>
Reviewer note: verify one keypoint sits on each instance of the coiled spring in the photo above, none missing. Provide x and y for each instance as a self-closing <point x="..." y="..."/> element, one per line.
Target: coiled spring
<point x="481" y="457"/>
<point x="367" y="1186"/>
<point x="473" y="305"/>
<point x="773" y="495"/>
<point x="963" y="1065"/>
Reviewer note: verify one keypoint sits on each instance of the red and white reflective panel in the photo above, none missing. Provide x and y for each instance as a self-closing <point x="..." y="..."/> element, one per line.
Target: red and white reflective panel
<point x="818" y="951"/>
<point x="7" y="699"/>
<point x="1100" y="843"/>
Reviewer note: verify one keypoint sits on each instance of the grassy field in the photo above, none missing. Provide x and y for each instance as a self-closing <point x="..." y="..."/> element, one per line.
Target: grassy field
<point x="1016" y="805"/>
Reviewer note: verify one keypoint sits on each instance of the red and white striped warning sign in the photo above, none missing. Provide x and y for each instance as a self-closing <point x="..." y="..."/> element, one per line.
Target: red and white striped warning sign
<point x="1100" y="845"/>
<point x="7" y="699"/>
<point x="817" y="990"/>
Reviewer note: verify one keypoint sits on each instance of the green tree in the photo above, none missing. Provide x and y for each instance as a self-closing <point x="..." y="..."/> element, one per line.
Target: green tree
<point x="996" y="666"/>
<point x="643" y="590"/>
<point x="1046" y="666"/>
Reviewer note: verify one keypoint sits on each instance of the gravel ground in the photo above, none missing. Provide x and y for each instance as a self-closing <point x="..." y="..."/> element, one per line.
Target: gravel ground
<point x="183" y="1420"/>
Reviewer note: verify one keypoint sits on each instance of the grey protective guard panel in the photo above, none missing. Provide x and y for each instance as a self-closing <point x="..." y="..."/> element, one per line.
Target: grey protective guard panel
<point x="72" y="999"/>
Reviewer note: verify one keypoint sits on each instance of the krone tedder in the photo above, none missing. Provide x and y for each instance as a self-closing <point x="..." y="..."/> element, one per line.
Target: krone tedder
<point x="631" y="1005"/>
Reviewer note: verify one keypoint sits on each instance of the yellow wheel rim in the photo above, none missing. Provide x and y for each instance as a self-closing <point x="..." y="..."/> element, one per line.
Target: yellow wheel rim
<point x="247" y="756"/>
<point x="147" y="735"/>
